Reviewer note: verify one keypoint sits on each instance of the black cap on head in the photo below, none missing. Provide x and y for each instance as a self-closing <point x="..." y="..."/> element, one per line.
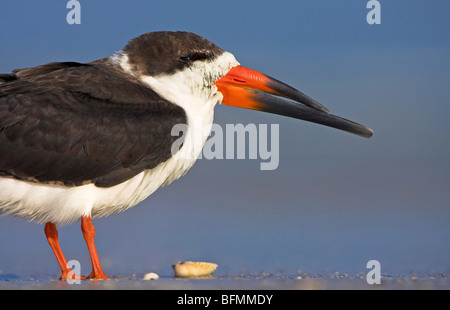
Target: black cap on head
<point x="165" y="52"/>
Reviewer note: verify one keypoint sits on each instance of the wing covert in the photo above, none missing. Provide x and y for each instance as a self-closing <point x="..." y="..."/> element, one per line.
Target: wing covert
<point x="63" y="124"/>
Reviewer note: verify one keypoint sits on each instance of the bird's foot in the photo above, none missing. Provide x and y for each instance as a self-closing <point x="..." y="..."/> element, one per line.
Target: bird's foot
<point x="71" y="276"/>
<point x="97" y="275"/>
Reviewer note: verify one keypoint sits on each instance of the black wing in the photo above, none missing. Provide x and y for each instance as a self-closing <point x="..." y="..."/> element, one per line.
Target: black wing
<point x="75" y="124"/>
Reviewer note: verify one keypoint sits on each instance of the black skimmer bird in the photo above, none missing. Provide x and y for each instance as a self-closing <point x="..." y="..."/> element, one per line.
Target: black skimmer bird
<point x="84" y="140"/>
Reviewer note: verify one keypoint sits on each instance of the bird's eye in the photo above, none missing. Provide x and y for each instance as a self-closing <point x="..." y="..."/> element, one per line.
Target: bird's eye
<point x="194" y="56"/>
<point x="185" y="58"/>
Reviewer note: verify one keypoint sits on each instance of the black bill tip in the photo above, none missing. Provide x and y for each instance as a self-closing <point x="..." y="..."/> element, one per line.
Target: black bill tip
<point x="277" y="105"/>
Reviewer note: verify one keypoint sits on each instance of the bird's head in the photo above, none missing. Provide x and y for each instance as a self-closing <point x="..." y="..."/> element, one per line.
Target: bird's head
<point x="190" y="70"/>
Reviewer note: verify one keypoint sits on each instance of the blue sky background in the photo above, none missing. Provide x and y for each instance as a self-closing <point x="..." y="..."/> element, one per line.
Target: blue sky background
<point x="336" y="201"/>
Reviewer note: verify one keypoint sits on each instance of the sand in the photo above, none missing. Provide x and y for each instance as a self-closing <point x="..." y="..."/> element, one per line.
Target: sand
<point x="261" y="281"/>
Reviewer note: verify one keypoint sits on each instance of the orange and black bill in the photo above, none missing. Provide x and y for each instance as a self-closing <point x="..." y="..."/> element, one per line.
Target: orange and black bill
<point x="247" y="88"/>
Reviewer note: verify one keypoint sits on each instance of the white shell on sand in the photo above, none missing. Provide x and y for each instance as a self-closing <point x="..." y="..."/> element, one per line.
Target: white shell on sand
<point x="150" y="276"/>
<point x="193" y="269"/>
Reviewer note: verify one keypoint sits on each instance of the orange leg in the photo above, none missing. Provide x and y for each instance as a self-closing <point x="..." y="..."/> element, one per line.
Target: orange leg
<point x="88" y="230"/>
<point x="52" y="237"/>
